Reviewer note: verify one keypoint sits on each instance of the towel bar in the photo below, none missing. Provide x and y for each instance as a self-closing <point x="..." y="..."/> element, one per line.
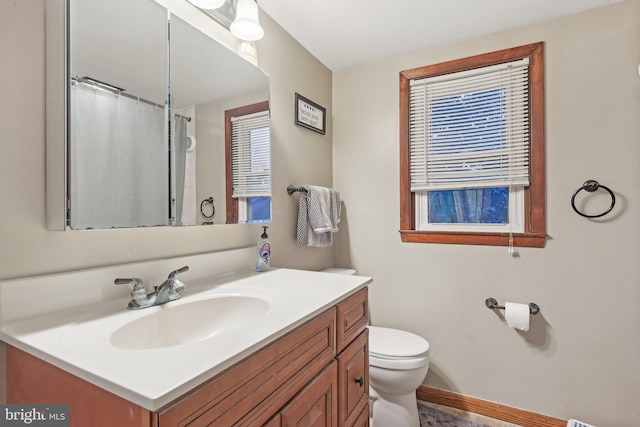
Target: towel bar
<point x="291" y="189"/>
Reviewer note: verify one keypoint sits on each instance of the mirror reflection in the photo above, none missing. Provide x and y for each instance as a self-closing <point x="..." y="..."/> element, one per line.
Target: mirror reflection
<point x="147" y="140"/>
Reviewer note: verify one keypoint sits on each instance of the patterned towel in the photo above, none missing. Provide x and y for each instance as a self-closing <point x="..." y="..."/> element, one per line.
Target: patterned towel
<point x="318" y="216"/>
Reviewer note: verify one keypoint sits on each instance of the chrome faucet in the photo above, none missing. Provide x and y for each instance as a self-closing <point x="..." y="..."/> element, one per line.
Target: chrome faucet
<point x="169" y="290"/>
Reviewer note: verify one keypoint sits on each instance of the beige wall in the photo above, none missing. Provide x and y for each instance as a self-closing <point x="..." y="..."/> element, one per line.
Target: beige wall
<point x="581" y="357"/>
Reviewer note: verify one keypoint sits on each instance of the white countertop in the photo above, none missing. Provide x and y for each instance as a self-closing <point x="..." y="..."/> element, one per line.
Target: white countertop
<point x="78" y="339"/>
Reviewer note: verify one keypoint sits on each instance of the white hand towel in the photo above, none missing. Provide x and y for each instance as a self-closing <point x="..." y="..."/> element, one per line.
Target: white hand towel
<point x="319" y="203"/>
<point x="318" y="216"/>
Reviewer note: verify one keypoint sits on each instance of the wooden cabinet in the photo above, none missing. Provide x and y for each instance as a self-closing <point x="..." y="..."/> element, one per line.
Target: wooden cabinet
<point x="30" y="380"/>
<point x="316" y="375"/>
<point x="339" y="395"/>
<point x="252" y="391"/>
<point x="353" y="380"/>
<point x="352" y="340"/>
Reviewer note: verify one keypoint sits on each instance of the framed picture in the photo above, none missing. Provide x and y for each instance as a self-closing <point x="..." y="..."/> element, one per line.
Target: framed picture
<point x="310" y="115"/>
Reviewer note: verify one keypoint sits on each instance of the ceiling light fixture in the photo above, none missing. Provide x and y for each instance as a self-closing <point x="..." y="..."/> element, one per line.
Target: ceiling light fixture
<point x="207" y="4"/>
<point x="246" y="25"/>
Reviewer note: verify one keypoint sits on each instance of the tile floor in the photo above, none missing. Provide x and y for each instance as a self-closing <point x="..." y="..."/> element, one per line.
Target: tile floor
<point x="432" y="415"/>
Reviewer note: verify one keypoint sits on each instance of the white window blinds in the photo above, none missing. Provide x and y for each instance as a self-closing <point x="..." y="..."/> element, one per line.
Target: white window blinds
<point x="251" y="155"/>
<point x="470" y="129"/>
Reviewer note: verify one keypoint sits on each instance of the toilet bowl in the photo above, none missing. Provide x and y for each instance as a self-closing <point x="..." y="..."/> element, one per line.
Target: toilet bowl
<point x="398" y="363"/>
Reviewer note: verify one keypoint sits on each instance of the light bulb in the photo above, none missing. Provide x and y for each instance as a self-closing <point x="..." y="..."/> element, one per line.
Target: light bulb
<point x="207" y="4"/>
<point x="246" y="25"/>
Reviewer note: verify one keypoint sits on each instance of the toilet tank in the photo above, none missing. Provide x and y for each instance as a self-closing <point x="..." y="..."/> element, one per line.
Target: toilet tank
<point x="348" y="271"/>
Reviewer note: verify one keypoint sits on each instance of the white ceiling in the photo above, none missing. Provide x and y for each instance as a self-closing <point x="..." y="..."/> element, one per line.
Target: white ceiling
<point x="342" y="33"/>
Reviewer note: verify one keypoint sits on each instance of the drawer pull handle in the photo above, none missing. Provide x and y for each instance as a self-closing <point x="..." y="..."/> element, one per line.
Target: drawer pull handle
<point x="360" y="381"/>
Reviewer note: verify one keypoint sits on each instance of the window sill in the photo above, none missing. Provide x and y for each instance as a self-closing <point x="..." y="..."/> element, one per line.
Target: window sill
<point x="521" y="240"/>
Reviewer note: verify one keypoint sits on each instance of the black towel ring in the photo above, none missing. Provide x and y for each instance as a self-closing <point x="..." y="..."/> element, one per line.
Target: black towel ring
<point x="591" y="186"/>
<point x="213" y="208"/>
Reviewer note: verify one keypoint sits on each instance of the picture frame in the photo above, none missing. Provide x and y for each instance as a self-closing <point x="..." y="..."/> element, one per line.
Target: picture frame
<point x="310" y="115"/>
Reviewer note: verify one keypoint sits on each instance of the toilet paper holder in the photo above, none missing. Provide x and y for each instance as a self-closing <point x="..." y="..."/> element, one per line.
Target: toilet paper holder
<point x="492" y="303"/>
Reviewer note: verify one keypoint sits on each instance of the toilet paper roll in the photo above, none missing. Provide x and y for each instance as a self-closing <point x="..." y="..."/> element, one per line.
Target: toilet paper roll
<point x="517" y="315"/>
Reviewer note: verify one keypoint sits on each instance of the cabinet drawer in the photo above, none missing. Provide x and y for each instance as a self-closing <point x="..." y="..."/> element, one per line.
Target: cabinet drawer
<point x="353" y="380"/>
<point x="352" y="318"/>
<point x="244" y="394"/>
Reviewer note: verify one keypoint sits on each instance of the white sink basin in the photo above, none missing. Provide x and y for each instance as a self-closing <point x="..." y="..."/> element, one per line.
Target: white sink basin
<point x="199" y="320"/>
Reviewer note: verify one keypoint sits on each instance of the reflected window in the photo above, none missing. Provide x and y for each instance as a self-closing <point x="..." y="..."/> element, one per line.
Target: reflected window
<point x="259" y="209"/>
<point x="248" y="150"/>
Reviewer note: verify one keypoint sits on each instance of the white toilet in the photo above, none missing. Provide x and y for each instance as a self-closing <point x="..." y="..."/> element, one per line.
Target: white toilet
<point x="398" y="363"/>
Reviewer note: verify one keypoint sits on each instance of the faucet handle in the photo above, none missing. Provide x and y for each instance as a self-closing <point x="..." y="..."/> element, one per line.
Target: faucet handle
<point x="138" y="293"/>
<point x="176" y="272"/>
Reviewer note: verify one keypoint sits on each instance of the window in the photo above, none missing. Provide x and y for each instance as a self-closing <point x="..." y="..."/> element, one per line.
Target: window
<point x="248" y="152"/>
<point x="472" y="150"/>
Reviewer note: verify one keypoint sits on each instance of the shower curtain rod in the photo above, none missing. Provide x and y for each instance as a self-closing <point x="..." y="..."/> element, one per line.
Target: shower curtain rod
<point x="118" y="91"/>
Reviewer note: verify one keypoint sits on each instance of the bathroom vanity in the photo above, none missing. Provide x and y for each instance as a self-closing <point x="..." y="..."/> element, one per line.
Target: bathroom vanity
<point x="293" y="369"/>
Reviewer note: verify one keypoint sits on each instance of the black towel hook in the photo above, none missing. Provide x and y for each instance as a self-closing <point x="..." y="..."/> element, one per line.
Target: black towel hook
<point x="590" y="186"/>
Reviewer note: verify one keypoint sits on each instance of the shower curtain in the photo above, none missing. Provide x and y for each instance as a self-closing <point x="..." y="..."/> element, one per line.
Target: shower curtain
<point x="180" y="152"/>
<point x="118" y="161"/>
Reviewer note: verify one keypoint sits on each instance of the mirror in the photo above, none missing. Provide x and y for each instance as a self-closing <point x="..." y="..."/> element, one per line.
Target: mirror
<point x="147" y="99"/>
<point x="220" y="81"/>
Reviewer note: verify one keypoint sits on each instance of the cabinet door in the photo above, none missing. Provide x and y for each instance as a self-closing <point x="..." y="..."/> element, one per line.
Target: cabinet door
<point x="316" y="404"/>
<point x="353" y="380"/>
<point x="363" y="418"/>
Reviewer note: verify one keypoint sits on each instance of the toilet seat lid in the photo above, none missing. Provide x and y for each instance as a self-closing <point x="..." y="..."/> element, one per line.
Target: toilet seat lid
<point x="388" y="343"/>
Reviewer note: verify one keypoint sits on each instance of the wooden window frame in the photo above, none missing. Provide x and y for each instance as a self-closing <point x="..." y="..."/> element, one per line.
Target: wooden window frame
<point x="534" y="234"/>
<point x="232" y="203"/>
